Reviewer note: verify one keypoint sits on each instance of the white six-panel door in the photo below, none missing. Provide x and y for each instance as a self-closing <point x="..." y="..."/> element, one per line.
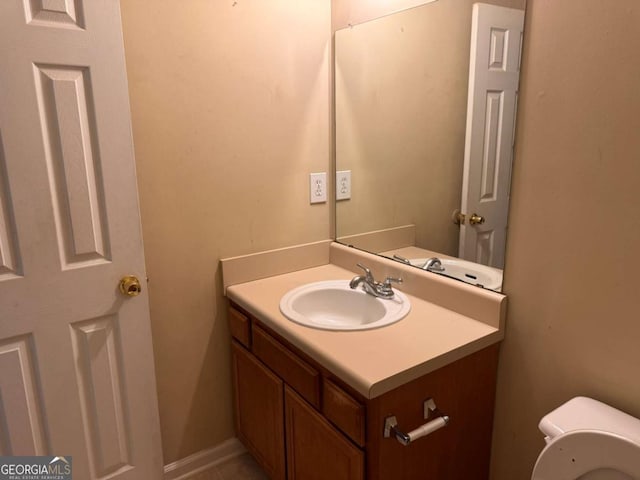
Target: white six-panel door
<point x="76" y="364"/>
<point x="494" y="70"/>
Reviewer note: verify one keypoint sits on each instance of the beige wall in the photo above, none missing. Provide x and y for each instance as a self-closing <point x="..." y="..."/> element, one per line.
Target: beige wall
<point x="230" y="114"/>
<point x="573" y="324"/>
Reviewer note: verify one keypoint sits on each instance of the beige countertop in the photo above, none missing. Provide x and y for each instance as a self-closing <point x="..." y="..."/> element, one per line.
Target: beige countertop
<point x="375" y="361"/>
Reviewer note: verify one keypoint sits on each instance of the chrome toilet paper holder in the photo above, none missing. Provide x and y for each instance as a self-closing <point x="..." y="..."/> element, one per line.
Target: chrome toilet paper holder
<point x="441" y="420"/>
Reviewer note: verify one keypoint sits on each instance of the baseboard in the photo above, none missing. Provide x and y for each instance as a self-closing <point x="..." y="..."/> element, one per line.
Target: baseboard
<point x="185" y="468"/>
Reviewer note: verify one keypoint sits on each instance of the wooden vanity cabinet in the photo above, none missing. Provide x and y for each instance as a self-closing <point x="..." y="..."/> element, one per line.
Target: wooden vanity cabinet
<point x="301" y="423"/>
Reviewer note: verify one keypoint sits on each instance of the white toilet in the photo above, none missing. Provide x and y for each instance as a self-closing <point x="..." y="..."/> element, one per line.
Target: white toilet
<point x="588" y="440"/>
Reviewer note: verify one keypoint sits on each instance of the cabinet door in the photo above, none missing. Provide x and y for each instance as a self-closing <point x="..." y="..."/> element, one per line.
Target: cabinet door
<point x="315" y="449"/>
<point x="259" y="411"/>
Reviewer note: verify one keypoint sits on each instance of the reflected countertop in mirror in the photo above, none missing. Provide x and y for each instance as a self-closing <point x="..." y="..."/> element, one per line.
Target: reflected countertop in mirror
<point x="401" y="101"/>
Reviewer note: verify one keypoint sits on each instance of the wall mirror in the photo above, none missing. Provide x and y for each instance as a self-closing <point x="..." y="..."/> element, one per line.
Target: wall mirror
<point x="423" y="148"/>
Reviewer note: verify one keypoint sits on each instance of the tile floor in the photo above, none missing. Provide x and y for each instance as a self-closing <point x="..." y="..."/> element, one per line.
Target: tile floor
<point x="242" y="467"/>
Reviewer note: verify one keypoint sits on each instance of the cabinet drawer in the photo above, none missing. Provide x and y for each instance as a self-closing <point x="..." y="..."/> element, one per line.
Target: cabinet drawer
<point x="239" y="326"/>
<point x="293" y="370"/>
<point x="343" y="411"/>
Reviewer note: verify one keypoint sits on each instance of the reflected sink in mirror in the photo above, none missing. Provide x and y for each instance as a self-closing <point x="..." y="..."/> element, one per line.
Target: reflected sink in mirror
<point x="469" y="272"/>
<point x="333" y="305"/>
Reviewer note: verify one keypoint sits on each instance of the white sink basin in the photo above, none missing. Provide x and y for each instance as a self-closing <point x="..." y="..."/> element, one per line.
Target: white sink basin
<point x="333" y="305"/>
<point x="470" y="272"/>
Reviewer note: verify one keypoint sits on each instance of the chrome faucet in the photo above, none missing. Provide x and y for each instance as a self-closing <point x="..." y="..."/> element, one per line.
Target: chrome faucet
<point x="372" y="286"/>
<point x="433" y="264"/>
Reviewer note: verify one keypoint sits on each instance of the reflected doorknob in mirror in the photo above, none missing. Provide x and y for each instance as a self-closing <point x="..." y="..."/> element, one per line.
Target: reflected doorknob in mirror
<point x="460" y="218"/>
<point x="130" y="286"/>
<point x="476" y="219"/>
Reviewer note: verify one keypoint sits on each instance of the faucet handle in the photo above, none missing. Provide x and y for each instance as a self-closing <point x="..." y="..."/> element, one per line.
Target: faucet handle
<point x="367" y="272"/>
<point x="402" y="259"/>
<point x="389" y="280"/>
<point x="385" y="287"/>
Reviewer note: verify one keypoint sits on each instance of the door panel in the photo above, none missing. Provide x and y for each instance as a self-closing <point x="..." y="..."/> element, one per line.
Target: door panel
<point x="96" y="346"/>
<point x="21" y="427"/>
<point x="9" y="255"/>
<point x="67" y="13"/>
<point x="69" y="129"/>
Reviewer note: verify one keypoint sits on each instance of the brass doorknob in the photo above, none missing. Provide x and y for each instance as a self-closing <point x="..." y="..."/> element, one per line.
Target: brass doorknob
<point x="476" y="219"/>
<point x="130" y="286"/>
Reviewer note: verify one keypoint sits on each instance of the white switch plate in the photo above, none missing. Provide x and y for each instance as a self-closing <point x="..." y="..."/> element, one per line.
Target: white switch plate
<point x="343" y="185"/>
<point x="318" y="187"/>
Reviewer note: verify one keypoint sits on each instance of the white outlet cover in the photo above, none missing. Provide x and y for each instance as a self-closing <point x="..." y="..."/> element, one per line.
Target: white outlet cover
<point x="318" y="187"/>
<point x="343" y="185"/>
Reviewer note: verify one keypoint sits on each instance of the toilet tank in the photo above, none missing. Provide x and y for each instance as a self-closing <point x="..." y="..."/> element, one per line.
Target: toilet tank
<point x="582" y="413"/>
